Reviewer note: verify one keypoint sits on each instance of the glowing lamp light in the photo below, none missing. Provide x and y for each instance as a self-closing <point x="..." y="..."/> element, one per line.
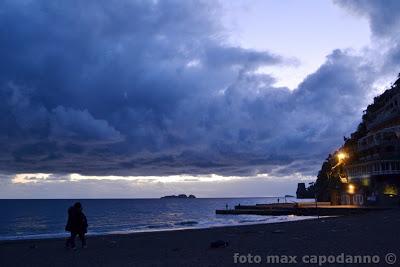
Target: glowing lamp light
<point x="341" y="156"/>
<point x="351" y="189"/>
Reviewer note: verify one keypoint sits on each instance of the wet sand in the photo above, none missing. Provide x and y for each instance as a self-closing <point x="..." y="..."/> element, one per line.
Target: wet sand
<point x="375" y="233"/>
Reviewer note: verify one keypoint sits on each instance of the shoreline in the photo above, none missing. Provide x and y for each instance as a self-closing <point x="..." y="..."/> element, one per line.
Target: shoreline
<point x="63" y="235"/>
<point x="374" y="233"/>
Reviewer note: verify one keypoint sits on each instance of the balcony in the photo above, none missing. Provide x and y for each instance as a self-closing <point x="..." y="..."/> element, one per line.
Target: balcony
<point x="384" y="137"/>
<point x="368" y="169"/>
<point x="388" y="112"/>
<point x="382" y="118"/>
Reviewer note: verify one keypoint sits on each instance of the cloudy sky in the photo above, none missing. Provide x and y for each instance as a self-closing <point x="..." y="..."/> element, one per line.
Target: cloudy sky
<point x="214" y="98"/>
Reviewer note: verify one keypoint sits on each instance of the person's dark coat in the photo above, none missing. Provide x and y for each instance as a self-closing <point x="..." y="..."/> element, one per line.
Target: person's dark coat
<point x="77" y="222"/>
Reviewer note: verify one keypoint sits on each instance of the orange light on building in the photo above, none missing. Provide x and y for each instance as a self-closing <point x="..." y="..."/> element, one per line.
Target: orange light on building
<point x="351" y="189"/>
<point x="342" y="156"/>
<point x="390" y="190"/>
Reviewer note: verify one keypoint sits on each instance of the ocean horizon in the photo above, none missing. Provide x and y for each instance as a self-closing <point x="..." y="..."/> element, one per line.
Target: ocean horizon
<point x="46" y="218"/>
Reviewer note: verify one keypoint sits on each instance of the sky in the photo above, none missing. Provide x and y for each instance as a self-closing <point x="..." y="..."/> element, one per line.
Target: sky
<point x="138" y="99"/>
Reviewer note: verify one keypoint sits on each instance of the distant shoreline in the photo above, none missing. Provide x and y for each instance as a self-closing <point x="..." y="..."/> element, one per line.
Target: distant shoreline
<point x="127" y="198"/>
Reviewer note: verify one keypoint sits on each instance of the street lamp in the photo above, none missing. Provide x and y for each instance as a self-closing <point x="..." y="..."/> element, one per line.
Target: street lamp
<point x="351" y="189"/>
<point x="342" y="156"/>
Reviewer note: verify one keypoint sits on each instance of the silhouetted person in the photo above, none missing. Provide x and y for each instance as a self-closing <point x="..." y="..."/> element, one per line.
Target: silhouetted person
<point x="77" y="225"/>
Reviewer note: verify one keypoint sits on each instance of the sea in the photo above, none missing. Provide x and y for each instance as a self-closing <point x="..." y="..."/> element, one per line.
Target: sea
<point x="46" y="218"/>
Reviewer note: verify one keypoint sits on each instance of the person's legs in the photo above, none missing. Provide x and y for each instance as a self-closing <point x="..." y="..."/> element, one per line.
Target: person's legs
<point x="68" y="242"/>
<point x="82" y="237"/>
<point x="71" y="241"/>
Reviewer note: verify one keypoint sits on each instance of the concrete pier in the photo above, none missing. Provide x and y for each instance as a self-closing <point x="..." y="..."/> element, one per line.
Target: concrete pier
<point x="299" y="209"/>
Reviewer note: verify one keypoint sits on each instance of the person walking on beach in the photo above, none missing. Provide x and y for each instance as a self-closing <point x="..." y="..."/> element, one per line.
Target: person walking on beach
<point x="77" y="225"/>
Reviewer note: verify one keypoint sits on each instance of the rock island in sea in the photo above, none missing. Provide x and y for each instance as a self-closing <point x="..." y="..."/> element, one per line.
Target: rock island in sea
<point x="179" y="196"/>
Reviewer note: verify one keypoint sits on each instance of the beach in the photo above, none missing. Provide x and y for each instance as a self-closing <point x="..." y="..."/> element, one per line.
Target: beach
<point x="375" y="234"/>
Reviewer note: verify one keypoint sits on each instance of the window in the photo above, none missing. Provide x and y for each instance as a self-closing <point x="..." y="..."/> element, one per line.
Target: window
<point x="358" y="199"/>
<point x="376" y="167"/>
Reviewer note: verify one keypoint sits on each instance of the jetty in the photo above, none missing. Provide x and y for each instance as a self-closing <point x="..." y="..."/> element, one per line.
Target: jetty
<point x="299" y="209"/>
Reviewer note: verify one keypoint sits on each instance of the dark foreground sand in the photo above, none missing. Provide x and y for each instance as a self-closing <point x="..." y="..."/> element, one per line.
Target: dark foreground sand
<point x="376" y="233"/>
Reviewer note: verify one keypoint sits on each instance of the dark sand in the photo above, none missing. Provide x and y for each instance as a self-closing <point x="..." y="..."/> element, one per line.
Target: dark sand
<point x="375" y="233"/>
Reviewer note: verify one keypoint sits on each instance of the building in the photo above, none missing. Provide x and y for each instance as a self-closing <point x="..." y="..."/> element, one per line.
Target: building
<point x="373" y="175"/>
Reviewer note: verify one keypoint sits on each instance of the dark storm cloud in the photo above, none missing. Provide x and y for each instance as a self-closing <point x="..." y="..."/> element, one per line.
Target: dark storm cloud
<point x="384" y="21"/>
<point x="382" y="15"/>
<point x="151" y="88"/>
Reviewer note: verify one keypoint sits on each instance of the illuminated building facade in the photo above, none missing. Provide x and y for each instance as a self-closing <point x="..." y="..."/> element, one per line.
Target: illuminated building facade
<point x="374" y="170"/>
